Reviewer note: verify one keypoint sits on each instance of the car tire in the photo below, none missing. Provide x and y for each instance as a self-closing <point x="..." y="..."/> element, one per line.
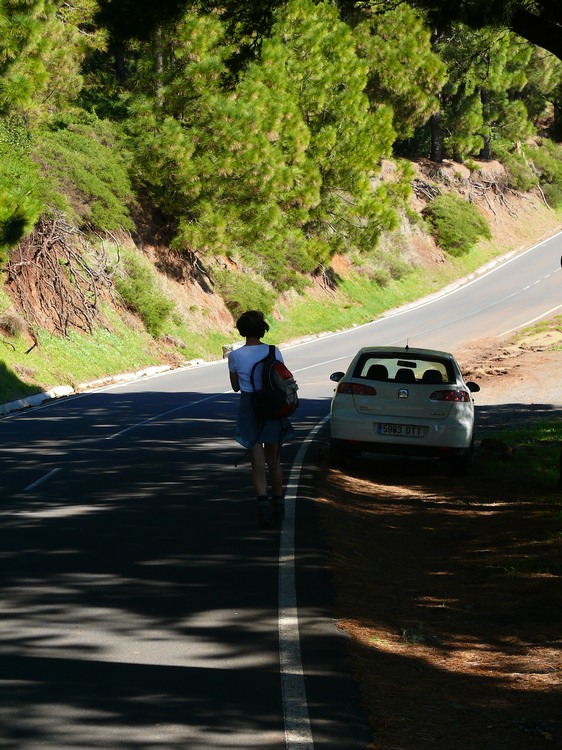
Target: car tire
<point x="337" y="455"/>
<point x="460" y="464"/>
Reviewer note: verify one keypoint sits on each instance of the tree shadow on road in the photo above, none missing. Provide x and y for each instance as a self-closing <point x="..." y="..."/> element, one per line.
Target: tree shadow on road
<point x="139" y="596"/>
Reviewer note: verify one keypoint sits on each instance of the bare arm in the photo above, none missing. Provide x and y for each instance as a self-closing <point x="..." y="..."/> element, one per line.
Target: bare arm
<point x="234" y="382"/>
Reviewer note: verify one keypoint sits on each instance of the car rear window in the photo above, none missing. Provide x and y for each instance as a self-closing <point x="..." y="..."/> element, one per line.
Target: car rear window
<point x="404" y="369"/>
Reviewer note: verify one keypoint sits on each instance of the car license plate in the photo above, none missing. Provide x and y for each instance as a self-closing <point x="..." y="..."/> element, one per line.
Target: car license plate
<point x="401" y="430"/>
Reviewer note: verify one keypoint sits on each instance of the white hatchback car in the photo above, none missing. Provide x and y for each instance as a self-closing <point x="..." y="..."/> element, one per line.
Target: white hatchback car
<point x="402" y="401"/>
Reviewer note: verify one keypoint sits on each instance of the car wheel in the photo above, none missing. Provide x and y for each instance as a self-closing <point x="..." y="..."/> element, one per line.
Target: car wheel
<point x="337" y="455"/>
<point x="460" y="464"/>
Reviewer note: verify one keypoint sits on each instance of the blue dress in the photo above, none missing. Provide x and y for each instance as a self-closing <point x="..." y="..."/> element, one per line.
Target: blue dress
<point x="250" y="431"/>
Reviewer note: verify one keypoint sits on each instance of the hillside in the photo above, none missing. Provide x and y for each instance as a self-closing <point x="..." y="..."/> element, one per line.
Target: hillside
<point x="352" y="290"/>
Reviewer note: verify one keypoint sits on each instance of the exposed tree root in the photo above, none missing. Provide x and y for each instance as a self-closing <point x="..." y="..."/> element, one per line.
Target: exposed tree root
<point x="51" y="281"/>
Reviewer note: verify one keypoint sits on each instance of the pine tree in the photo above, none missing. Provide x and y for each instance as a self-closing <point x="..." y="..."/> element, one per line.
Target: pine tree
<point x="347" y="137"/>
<point x="275" y="173"/>
<point x="22" y="41"/>
<point x="481" y="100"/>
<point x="404" y="71"/>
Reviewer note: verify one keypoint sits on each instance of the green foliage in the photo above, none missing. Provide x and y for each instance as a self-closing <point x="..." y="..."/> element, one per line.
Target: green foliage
<point x="404" y="71"/>
<point x="546" y="163"/>
<point x="254" y="131"/>
<point x="539" y="21"/>
<point x="328" y="80"/>
<point x="277" y="171"/>
<point x="521" y="175"/>
<point x="87" y="175"/>
<point x="482" y="106"/>
<point x="544" y="77"/>
<point x="139" y="288"/>
<point x="537" y="165"/>
<point x="457" y="224"/>
<point x="242" y="292"/>
<point x="42" y="46"/>
<point x="553" y="195"/>
<point x="22" y="43"/>
<point x="21" y="185"/>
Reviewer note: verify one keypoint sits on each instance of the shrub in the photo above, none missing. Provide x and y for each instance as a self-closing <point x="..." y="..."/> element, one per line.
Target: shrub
<point x="457" y="224"/>
<point x="21" y="185"/>
<point x="546" y="160"/>
<point x="140" y="291"/>
<point x="521" y="175"/>
<point x="87" y="174"/>
<point x="12" y="324"/>
<point x="241" y="292"/>
<point x="553" y="195"/>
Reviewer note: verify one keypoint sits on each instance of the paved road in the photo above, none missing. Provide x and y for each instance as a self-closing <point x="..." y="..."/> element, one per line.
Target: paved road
<point x="141" y="607"/>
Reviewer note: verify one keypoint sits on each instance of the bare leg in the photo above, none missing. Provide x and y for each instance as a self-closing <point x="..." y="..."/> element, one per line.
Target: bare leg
<point x="257" y="457"/>
<point x="273" y="460"/>
<point x="268" y="456"/>
<point x="272" y="453"/>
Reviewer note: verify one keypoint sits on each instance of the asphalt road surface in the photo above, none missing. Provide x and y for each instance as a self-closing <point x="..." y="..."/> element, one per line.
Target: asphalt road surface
<point x="141" y="606"/>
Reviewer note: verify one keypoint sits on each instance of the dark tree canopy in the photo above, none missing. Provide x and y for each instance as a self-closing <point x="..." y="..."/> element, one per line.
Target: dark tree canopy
<point x="128" y="19"/>
<point x="540" y="21"/>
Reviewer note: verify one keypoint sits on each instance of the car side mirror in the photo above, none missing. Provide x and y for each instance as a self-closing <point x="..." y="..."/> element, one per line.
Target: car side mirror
<point x="337" y="376"/>
<point x="473" y="387"/>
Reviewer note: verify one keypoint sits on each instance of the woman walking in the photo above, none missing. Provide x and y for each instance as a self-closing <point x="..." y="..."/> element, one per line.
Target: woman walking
<point x="263" y="439"/>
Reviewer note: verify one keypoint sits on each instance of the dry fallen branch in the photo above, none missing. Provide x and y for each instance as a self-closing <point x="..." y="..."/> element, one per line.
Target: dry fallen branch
<point x="425" y="189"/>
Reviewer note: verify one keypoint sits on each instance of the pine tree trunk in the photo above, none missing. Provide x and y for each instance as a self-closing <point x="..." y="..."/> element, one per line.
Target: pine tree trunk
<point x="436" y="137"/>
<point x="486" y="152"/>
<point x="119" y="63"/>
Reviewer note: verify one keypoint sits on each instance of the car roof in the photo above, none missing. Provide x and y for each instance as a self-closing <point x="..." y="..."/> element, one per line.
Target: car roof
<point x="404" y="351"/>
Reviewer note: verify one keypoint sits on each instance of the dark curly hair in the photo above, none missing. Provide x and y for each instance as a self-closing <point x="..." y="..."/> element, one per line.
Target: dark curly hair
<point x="252" y="324"/>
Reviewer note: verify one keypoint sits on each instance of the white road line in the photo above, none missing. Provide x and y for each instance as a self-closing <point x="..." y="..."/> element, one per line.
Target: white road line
<point x="298" y="733"/>
<point x="42" y="479"/>
<point x="530" y="322"/>
<point x="478" y="274"/>
<point x="163" y="414"/>
<point x="201" y="401"/>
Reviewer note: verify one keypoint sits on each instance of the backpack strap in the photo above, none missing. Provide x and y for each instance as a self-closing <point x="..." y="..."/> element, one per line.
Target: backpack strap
<point x="270" y="353"/>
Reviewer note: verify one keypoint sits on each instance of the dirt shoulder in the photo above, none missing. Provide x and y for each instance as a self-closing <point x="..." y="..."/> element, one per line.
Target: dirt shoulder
<point x="528" y="371"/>
<point x="450" y="588"/>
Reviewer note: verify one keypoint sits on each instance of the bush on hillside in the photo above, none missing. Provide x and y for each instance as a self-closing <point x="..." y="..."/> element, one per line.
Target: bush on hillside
<point x="546" y="162"/>
<point x="457" y="224"/>
<point x="87" y="175"/>
<point x="521" y="175"/>
<point x="21" y="185"/>
<point x="241" y="292"/>
<point x="138" y="286"/>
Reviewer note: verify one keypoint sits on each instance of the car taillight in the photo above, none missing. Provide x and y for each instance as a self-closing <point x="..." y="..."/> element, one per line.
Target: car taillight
<point x="450" y="395"/>
<point x="357" y="389"/>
